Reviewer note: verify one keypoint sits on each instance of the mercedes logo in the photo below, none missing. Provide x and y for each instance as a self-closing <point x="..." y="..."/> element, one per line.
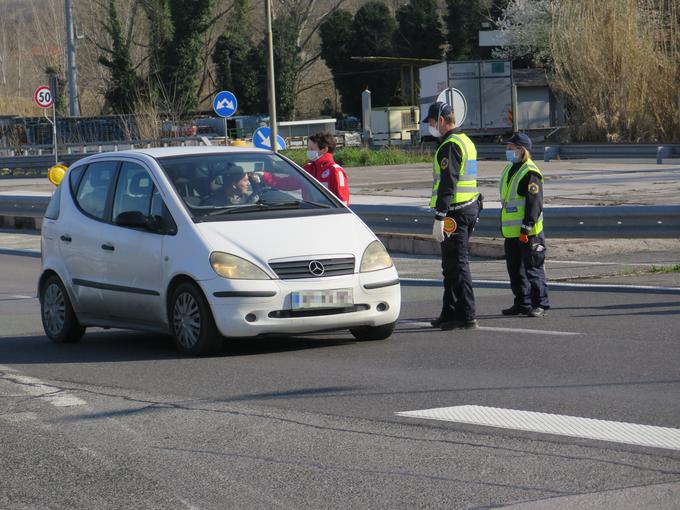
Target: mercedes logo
<point x="316" y="268"/>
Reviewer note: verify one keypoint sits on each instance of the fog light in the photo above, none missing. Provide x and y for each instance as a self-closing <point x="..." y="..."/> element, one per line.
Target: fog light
<point x="382" y="307"/>
<point x="251" y="317"/>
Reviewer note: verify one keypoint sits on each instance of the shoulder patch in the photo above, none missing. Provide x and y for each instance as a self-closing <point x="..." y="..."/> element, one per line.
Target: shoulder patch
<point x="533" y="188"/>
<point x="445" y="162"/>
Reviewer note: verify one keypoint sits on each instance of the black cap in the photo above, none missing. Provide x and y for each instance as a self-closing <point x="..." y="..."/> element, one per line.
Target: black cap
<point x="437" y="110"/>
<point x="521" y="139"/>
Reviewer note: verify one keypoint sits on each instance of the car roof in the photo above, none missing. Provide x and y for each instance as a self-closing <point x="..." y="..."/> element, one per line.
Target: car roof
<point x="162" y="152"/>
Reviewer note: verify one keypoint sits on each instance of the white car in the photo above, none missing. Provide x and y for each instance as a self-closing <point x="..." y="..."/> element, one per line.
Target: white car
<point x="206" y="243"/>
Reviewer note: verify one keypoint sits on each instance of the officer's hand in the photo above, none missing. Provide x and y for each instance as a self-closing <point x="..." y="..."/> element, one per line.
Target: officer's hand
<point x="524" y="239"/>
<point x="438" y="231"/>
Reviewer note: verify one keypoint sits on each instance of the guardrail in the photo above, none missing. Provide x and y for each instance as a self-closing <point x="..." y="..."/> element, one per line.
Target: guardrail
<point x="648" y="221"/>
<point x="564" y="222"/>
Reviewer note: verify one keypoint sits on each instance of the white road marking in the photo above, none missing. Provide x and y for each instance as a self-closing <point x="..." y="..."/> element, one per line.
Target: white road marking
<point x="601" y="286"/>
<point x="421" y="324"/>
<point x="561" y="425"/>
<point x="37" y="388"/>
<point x="19" y="417"/>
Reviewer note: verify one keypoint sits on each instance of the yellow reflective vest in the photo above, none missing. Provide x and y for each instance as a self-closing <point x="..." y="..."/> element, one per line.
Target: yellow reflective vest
<point x="514" y="205"/>
<point x="466" y="187"/>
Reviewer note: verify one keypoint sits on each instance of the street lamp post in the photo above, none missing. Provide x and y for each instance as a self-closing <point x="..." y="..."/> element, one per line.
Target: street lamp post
<point x="73" y="107"/>
<point x="270" y="75"/>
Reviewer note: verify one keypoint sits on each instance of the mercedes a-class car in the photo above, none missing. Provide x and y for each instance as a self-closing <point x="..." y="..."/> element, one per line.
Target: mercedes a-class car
<point x="207" y="243"/>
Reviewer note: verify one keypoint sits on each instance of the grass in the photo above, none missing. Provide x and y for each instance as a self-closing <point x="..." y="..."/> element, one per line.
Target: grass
<point x="360" y="156"/>
<point x="665" y="269"/>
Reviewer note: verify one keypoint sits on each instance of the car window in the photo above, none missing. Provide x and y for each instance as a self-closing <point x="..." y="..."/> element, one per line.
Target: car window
<point x="74" y="175"/>
<point x="94" y="188"/>
<point x="160" y="216"/>
<point x="210" y="183"/>
<point x="52" y="212"/>
<point x="133" y="191"/>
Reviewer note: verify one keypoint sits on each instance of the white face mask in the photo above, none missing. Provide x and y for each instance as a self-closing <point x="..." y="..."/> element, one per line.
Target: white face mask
<point x="434" y="131"/>
<point x="313" y="155"/>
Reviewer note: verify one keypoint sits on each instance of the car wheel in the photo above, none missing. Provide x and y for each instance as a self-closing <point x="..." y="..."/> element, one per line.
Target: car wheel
<point x="191" y="321"/>
<point x="58" y="318"/>
<point x="364" y="333"/>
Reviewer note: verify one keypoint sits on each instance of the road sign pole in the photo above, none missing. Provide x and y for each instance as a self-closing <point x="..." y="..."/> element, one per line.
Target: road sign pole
<point x="54" y="131"/>
<point x="226" y="134"/>
<point x="270" y="75"/>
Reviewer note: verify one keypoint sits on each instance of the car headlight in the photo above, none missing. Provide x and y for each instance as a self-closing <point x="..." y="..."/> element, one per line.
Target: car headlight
<point x="235" y="268"/>
<point x="375" y="258"/>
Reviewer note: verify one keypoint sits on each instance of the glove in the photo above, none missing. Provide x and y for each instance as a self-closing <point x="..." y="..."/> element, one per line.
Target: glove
<point x="438" y="231"/>
<point x="524" y="239"/>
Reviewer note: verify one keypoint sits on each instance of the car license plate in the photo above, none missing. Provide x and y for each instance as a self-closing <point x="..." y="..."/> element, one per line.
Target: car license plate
<point x="336" y="298"/>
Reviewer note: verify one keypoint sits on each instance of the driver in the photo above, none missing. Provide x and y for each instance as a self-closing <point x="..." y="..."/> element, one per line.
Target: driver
<point x="235" y="189"/>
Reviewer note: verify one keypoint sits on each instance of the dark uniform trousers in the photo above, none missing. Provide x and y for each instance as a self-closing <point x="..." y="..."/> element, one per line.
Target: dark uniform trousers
<point x="527" y="274"/>
<point x="459" y="298"/>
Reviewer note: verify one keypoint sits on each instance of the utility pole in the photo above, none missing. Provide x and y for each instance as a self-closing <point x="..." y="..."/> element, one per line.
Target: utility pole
<point x="73" y="107"/>
<point x="270" y="75"/>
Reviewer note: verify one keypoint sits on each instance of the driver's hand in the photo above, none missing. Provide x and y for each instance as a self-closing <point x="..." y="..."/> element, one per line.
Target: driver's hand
<point x="254" y="178"/>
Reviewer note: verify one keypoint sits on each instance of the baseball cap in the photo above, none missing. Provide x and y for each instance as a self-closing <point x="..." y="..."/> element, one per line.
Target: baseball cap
<point x="521" y="139"/>
<point x="437" y="110"/>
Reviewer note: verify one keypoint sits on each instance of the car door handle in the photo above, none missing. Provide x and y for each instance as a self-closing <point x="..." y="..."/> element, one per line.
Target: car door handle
<point x="66" y="238"/>
<point x="108" y="247"/>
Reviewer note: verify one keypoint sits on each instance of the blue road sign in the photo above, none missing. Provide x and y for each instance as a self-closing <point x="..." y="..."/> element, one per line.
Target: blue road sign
<point x="262" y="139"/>
<point x="225" y="104"/>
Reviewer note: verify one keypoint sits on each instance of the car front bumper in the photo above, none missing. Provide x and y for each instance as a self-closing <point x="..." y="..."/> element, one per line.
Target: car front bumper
<point x="246" y="308"/>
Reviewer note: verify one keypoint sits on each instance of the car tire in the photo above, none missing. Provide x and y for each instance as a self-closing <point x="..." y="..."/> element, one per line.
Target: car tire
<point x="58" y="318"/>
<point x="367" y="333"/>
<point x="191" y="322"/>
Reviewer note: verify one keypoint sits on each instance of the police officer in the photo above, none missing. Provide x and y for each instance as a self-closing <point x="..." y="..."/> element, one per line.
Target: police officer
<point x="457" y="205"/>
<point x="521" y="188"/>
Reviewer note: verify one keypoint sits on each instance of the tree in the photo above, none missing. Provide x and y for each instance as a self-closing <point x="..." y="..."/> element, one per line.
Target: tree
<point x="160" y="33"/>
<point x="238" y="62"/>
<point x="122" y="88"/>
<point x="180" y="67"/>
<point x="463" y="21"/>
<point x="419" y="33"/>
<point x="337" y="34"/>
<point x="286" y="64"/>
<point x="526" y="26"/>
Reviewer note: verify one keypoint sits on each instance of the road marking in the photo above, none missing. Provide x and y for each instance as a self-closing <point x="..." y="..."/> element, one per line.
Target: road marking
<point x="422" y="324"/>
<point x="37" y="388"/>
<point x="561" y="425"/>
<point x="594" y="286"/>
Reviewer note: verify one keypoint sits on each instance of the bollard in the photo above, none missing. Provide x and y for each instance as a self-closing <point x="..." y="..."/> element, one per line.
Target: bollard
<point x="661" y="153"/>
<point x="550" y="152"/>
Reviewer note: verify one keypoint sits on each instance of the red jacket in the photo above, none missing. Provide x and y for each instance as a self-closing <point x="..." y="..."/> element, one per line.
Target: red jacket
<point x="331" y="175"/>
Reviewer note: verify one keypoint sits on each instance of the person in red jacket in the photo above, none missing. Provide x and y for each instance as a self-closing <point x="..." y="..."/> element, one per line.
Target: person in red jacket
<point x="323" y="168"/>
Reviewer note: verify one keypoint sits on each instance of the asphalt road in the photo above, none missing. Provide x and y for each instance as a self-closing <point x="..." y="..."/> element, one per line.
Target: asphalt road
<point x="121" y="421"/>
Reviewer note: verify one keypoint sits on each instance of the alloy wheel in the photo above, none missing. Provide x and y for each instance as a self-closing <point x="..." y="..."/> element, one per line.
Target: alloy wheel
<point x="186" y="318"/>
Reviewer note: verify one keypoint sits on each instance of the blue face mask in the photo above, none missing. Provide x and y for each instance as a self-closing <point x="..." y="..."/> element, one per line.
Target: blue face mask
<point x="511" y="156"/>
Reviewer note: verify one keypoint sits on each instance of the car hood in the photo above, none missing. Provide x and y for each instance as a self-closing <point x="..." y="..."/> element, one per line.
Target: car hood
<point x="307" y="236"/>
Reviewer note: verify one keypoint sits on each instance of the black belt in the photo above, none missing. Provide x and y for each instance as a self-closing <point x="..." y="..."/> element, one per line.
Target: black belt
<point x="464" y="204"/>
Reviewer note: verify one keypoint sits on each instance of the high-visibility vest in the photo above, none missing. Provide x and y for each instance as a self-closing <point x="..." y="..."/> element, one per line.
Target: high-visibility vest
<point x="466" y="187"/>
<point x="513" y="204"/>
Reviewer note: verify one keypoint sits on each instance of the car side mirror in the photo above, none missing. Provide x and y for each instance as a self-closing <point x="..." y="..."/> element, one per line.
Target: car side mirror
<point x="133" y="219"/>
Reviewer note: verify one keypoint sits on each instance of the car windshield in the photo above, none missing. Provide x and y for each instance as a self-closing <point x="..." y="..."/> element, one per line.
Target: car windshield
<point x="226" y="183"/>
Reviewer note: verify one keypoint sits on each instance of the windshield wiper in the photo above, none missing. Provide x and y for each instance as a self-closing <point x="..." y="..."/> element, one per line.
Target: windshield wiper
<point x="262" y="205"/>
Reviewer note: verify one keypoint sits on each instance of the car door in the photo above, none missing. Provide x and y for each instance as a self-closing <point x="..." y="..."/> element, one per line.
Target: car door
<point x="80" y="235"/>
<point x="133" y="255"/>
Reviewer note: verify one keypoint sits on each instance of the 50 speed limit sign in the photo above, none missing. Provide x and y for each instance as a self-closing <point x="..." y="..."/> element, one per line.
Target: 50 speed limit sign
<point x="43" y="96"/>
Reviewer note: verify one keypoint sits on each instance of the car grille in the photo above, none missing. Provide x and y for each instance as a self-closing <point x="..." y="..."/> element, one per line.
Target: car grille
<point x="298" y="269"/>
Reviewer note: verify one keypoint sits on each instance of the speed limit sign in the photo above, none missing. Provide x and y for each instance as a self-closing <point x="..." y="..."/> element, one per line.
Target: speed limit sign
<point x="43" y="96"/>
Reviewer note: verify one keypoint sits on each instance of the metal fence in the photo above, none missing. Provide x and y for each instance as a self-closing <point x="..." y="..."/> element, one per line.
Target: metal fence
<point x="621" y="222"/>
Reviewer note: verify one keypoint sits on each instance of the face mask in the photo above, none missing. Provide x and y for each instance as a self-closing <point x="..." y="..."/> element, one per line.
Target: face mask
<point x="511" y="156"/>
<point x="313" y="155"/>
<point x="434" y="131"/>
